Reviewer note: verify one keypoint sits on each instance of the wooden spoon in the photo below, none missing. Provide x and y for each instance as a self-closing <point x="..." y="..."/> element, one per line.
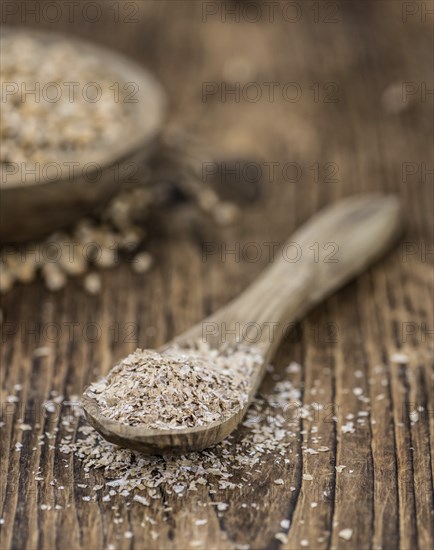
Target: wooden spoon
<point x="356" y="231"/>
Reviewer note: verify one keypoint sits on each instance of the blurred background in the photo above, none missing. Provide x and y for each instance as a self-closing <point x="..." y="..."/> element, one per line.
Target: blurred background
<point x="273" y="110"/>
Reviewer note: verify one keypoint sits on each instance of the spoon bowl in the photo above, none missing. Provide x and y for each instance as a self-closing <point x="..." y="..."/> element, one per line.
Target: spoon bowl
<point x="360" y="229"/>
<point x="160" y="442"/>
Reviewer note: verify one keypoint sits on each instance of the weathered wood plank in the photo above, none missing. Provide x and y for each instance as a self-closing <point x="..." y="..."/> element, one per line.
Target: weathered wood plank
<point x="385" y="493"/>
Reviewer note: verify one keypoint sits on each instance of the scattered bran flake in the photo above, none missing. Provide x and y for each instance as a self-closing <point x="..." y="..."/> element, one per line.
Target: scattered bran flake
<point x="340" y="468"/>
<point x="142" y="262"/>
<point x="201" y="522"/>
<point x="311" y="451"/>
<point x="346" y="534"/>
<point x="92" y="283"/>
<point x="414" y="416"/>
<point x="278" y="481"/>
<point x="401" y="358"/>
<point x="225" y="213"/>
<point x="293" y="367"/>
<point x="281" y="537"/>
<point x="285" y="523"/>
<point x="304" y="542"/>
<point x="43" y="351"/>
<point x="12" y="399"/>
<point x="142" y="500"/>
<point x="348" y="428"/>
<point x="128" y="534"/>
<point x="50" y="407"/>
<point x="307" y="477"/>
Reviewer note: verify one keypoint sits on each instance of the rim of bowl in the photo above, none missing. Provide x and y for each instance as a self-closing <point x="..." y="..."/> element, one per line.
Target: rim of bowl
<point x="150" y="111"/>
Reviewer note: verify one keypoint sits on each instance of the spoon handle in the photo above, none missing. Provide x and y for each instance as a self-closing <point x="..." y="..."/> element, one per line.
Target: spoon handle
<point x="327" y="251"/>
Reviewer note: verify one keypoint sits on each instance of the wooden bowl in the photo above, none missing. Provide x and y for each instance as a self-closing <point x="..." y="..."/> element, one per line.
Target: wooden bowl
<point x="33" y="209"/>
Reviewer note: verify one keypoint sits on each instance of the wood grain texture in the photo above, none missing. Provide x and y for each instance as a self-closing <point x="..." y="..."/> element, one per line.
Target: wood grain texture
<point x="385" y="493"/>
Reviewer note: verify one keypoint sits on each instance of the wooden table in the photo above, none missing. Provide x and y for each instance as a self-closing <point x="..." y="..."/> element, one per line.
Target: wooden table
<point x="340" y="119"/>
